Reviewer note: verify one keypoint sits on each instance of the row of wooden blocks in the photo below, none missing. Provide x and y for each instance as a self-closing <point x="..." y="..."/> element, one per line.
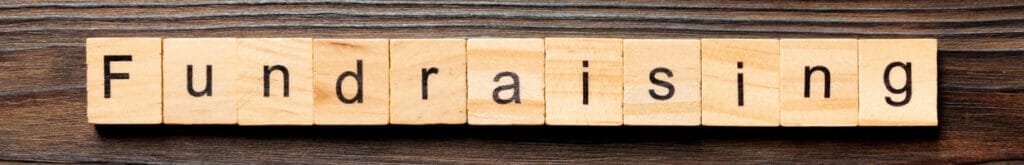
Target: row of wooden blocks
<point x="502" y="81"/>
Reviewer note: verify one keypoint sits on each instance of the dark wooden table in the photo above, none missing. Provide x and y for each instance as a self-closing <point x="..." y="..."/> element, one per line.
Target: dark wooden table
<point x="981" y="82"/>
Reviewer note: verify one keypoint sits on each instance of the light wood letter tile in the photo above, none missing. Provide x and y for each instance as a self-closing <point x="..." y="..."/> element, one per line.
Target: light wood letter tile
<point x="900" y="102"/>
<point x="428" y="81"/>
<point x="571" y="64"/>
<point x="266" y="103"/>
<point x="723" y="62"/>
<point x="514" y="68"/>
<point x="201" y="101"/>
<point x="812" y="61"/>
<point x="361" y="68"/>
<point x="134" y="85"/>
<point x="662" y="82"/>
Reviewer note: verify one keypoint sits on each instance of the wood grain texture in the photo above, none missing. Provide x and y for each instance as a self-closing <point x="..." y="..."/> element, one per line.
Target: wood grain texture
<point x="981" y="81"/>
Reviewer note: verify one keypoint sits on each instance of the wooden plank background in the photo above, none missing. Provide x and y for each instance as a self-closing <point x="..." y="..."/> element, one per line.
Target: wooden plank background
<point x="981" y="81"/>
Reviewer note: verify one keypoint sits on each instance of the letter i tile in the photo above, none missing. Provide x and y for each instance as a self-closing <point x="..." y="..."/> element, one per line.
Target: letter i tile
<point x="740" y="82"/>
<point x="583" y="81"/>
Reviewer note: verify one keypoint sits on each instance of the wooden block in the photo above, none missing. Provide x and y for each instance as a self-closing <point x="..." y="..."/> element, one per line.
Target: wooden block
<point x="740" y="82"/>
<point x="350" y="81"/>
<point x="818" y="82"/>
<point x="270" y="94"/>
<point x="123" y="80"/>
<point x="887" y="96"/>
<point x="200" y="80"/>
<point x="428" y="81"/>
<point x="661" y="82"/>
<point x="583" y="81"/>
<point x="506" y="81"/>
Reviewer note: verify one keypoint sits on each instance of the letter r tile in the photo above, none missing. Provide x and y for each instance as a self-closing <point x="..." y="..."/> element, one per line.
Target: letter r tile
<point x="276" y="81"/>
<point x="583" y="81"/>
<point x="351" y="81"/>
<point x="740" y="82"/>
<point x="428" y="81"/>
<point x="506" y="81"/>
<point x="898" y="82"/>
<point x="123" y="80"/>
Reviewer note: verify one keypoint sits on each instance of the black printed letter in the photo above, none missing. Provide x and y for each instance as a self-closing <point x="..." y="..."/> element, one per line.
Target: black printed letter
<point x="667" y="85"/>
<point x="514" y="87"/>
<point x="906" y="87"/>
<point x="586" y="83"/>
<point x="807" y="80"/>
<point x="739" y="82"/>
<point x="208" y="91"/>
<point x="266" y="78"/>
<point x="426" y="73"/>
<point x="358" y="75"/>
<point x="106" y="71"/>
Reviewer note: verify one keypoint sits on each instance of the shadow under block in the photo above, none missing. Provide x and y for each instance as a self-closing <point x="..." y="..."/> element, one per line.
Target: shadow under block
<point x="740" y="82"/>
<point x="123" y="80"/>
<point x="350" y="81"/>
<point x="661" y="82"/>
<point x="898" y="82"/>
<point x="428" y="81"/>
<point x="583" y="81"/>
<point x="506" y="81"/>
<point x="188" y="97"/>
<point x="818" y="82"/>
<point x="276" y="82"/>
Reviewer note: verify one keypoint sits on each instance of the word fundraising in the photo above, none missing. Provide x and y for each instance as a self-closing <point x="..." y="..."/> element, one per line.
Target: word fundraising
<point x="513" y="81"/>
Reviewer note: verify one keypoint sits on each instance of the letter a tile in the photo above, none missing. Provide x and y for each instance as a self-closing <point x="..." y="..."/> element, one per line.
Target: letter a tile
<point x="351" y="81"/>
<point x="276" y="81"/>
<point x="740" y="82"/>
<point x="428" y="81"/>
<point x="898" y="82"/>
<point x="583" y="81"/>
<point x="662" y="82"/>
<point x="200" y="81"/>
<point x="506" y="81"/>
<point x="819" y="82"/>
<point x="123" y="80"/>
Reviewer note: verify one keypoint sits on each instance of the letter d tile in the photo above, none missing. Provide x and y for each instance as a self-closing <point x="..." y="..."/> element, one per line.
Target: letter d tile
<point x="351" y="81"/>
